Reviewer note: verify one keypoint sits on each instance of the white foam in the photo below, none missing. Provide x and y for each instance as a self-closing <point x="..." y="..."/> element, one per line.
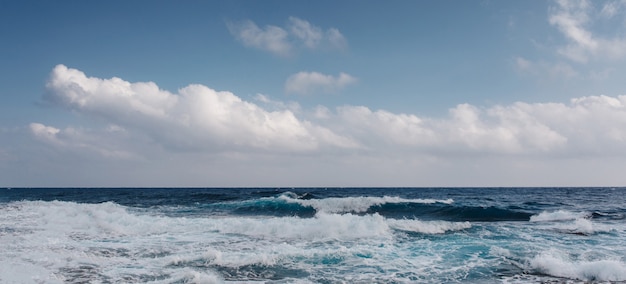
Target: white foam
<point x="193" y="277"/>
<point x="428" y="227"/>
<point x="583" y="226"/>
<point x="570" y="222"/>
<point x="559" y="215"/>
<point x="111" y="220"/>
<point x="555" y="264"/>
<point x="355" y="204"/>
<point x="235" y="259"/>
<point x="14" y="271"/>
<point x="89" y="219"/>
<point x="57" y="242"/>
<point x="322" y="227"/>
<point x="499" y="251"/>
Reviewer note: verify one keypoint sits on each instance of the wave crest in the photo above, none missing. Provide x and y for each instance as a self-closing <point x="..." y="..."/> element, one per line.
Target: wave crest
<point x="359" y="204"/>
<point x="559" y="215"/>
<point x="587" y="270"/>
<point x="579" y="223"/>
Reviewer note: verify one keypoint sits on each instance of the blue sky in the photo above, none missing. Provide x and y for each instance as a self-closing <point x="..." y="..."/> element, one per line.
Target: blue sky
<point x="312" y="93"/>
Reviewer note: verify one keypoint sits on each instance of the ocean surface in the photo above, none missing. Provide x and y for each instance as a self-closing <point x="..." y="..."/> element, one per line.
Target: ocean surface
<point x="313" y="235"/>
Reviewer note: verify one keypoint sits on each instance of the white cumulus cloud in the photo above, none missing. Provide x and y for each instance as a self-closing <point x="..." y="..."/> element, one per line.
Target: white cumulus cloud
<point x="197" y="117"/>
<point x="210" y="137"/>
<point x="467" y="129"/>
<point x="304" y="83"/>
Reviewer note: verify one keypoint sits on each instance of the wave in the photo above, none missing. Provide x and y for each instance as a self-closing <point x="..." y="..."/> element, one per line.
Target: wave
<point x="110" y="219"/>
<point x="328" y="227"/>
<point x="578" y="223"/>
<point x="554" y="264"/>
<point x="70" y="242"/>
<point x="188" y="275"/>
<point x="322" y="227"/>
<point x="290" y="204"/>
<point x="559" y="215"/>
<point x="458" y="213"/>
<point x="306" y="205"/>
<point x="359" y="204"/>
<point x="58" y="241"/>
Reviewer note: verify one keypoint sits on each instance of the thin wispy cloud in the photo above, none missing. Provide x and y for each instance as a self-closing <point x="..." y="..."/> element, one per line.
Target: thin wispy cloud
<point x="314" y="37"/>
<point x="574" y="20"/>
<point x="546" y="70"/>
<point x="270" y="38"/>
<point x="591" y="35"/>
<point x="284" y="41"/>
<point x="613" y="8"/>
<point x="305" y="83"/>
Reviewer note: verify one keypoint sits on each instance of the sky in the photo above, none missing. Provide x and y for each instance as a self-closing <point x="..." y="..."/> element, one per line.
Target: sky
<point x="312" y="93"/>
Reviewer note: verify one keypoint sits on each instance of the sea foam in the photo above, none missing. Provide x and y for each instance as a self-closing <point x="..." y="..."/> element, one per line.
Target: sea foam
<point x="355" y="204"/>
<point x="322" y="227"/>
<point x="555" y="264"/>
<point x="559" y="215"/>
<point x="428" y="227"/>
<point x="248" y="238"/>
<point x="570" y="222"/>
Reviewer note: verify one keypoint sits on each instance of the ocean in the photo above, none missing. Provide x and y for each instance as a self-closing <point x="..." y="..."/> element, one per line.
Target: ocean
<point x="313" y="235"/>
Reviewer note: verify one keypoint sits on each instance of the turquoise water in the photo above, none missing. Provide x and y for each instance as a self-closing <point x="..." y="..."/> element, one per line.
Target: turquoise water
<point x="313" y="235"/>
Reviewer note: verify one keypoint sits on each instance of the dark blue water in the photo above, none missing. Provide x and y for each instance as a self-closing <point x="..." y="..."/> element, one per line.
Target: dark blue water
<point x="312" y="235"/>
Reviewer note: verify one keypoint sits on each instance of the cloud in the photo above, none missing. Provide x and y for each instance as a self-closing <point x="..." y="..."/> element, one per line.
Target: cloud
<point x="543" y="69"/>
<point x="284" y="41"/>
<point x="523" y="63"/>
<point x="612" y="8"/>
<point x="593" y="125"/>
<point x="313" y="37"/>
<point x="574" y="18"/>
<point x="304" y="83"/>
<point x="467" y="129"/>
<point x="105" y="143"/>
<point x="45" y="133"/>
<point x="142" y="135"/>
<point x="310" y="35"/>
<point x="196" y="118"/>
<point x="200" y="119"/>
<point x="271" y="38"/>
<point x="336" y="39"/>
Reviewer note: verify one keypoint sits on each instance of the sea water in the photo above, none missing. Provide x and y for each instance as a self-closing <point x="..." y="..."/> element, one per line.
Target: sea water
<point x="313" y="235"/>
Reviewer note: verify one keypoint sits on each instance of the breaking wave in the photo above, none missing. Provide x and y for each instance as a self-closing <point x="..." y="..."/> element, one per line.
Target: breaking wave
<point x="559" y="215"/>
<point x="290" y="204"/>
<point x="555" y="264"/>
<point x="579" y="223"/>
<point x="317" y="236"/>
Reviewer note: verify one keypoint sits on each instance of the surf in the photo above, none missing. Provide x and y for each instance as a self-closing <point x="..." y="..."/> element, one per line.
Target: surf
<point x="311" y="235"/>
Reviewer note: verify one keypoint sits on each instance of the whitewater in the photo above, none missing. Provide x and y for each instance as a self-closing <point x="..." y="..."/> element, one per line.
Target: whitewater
<point x="313" y="235"/>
